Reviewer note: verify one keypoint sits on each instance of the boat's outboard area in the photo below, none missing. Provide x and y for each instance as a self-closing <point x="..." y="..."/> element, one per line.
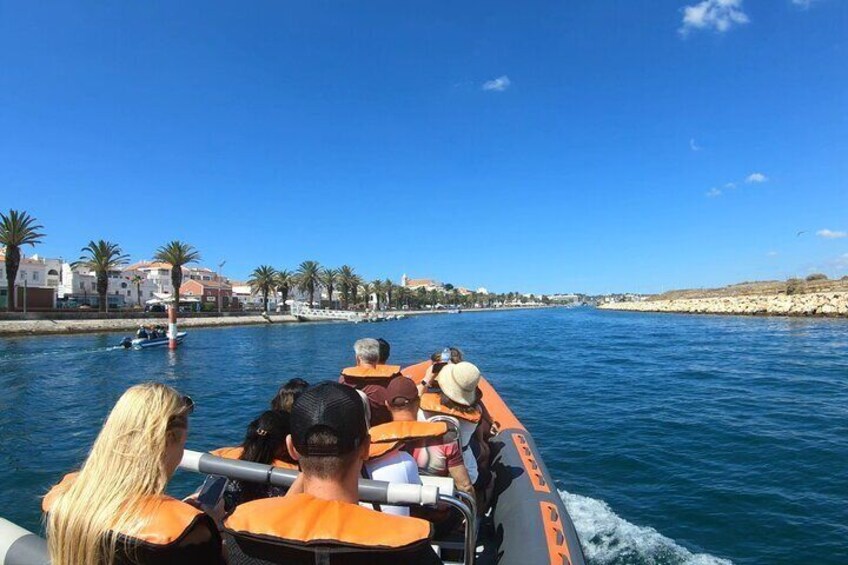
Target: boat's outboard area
<point x="527" y="522"/>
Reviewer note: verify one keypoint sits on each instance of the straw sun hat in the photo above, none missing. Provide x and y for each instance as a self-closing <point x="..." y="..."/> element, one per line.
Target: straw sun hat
<point x="459" y="382"/>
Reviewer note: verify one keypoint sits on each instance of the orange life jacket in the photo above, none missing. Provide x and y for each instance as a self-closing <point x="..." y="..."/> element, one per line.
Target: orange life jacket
<point x="386" y="437"/>
<point x="432" y="402"/>
<point x="169" y="518"/>
<point x="235" y="453"/>
<point x="304" y="521"/>
<point x="362" y="372"/>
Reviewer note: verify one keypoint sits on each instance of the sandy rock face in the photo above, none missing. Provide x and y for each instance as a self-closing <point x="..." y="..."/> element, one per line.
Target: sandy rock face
<point x="813" y="304"/>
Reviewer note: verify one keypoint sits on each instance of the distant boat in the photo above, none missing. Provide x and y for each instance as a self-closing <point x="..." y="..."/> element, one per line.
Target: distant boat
<point x="145" y="342"/>
<point x="455" y="311"/>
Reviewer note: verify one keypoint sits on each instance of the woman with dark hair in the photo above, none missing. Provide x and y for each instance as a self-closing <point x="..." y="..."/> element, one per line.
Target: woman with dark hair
<point x="264" y="442"/>
<point x="287" y="394"/>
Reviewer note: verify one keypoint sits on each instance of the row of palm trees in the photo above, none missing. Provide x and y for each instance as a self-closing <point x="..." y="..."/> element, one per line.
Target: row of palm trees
<point x="345" y="287"/>
<point x="309" y="279"/>
<point x="18" y="229"/>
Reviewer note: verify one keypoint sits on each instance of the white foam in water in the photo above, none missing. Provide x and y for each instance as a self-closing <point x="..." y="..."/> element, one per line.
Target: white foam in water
<point x="609" y="539"/>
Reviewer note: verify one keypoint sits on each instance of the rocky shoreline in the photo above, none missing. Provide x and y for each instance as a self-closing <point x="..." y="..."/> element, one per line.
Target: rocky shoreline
<point x="822" y="304"/>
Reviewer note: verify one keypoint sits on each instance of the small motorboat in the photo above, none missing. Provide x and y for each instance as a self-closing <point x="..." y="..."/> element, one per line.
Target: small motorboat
<point x="150" y="341"/>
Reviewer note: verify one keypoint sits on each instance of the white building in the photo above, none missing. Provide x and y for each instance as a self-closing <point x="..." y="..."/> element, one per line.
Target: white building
<point x="80" y="285"/>
<point x="33" y="273"/>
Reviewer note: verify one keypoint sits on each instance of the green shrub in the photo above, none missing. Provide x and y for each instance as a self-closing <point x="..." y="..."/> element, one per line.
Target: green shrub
<point x="793" y="286"/>
<point x="817" y="277"/>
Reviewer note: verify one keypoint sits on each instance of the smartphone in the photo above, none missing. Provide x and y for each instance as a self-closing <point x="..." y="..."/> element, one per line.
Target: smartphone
<point x="212" y="491"/>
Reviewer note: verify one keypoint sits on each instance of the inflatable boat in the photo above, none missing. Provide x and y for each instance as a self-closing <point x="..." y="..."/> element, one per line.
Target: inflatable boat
<point x="145" y="342"/>
<point x="528" y="523"/>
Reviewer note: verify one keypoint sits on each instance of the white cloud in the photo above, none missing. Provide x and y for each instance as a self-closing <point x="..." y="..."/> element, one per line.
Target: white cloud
<point x="803" y="3"/>
<point x="498" y="85"/>
<point x="693" y="145"/>
<point x="772" y="254"/>
<point x="713" y="192"/>
<point x="756" y="178"/>
<point x="830" y="234"/>
<point x="716" y="15"/>
<point x="730" y="185"/>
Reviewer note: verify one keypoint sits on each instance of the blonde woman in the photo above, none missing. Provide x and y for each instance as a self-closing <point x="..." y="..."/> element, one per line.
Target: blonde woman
<point x="114" y="510"/>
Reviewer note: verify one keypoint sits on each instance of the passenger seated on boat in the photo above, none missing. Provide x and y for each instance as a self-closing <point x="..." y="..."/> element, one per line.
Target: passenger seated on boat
<point x="385" y="351"/>
<point x="438" y="360"/>
<point x="114" y="510"/>
<point x="397" y="465"/>
<point x="287" y="394"/>
<point x="264" y="442"/>
<point x="141" y="333"/>
<point x="371" y="377"/>
<point x="320" y="520"/>
<point x="457" y="398"/>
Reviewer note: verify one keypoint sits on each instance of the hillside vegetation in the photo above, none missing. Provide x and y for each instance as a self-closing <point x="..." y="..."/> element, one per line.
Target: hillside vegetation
<point x="759" y="288"/>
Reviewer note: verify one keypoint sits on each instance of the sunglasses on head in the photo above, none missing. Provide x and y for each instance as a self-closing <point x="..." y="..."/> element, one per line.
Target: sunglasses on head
<point x="188" y="403"/>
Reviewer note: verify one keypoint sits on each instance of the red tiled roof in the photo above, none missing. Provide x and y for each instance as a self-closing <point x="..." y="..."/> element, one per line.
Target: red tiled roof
<point x="421" y="282"/>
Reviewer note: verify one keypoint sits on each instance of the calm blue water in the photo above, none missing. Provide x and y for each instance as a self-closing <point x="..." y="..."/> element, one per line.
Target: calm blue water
<point x="674" y="439"/>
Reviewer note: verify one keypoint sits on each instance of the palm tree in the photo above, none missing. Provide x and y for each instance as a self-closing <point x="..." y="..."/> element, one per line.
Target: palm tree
<point x="177" y="254"/>
<point x="283" y="285"/>
<point x="263" y="279"/>
<point x="309" y="278"/>
<point x="455" y="296"/>
<point x="434" y="297"/>
<point x="16" y="229"/>
<point x="137" y="279"/>
<point x="101" y="257"/>
<point x="329" y="278"/>
<point x="421" y="295"/>
<point x="388" y="288"/>
<point x="347" y="283"/>
<point x="402" y="296"/>
<point x="355" y="285"/>
<point x="375" y="288"/>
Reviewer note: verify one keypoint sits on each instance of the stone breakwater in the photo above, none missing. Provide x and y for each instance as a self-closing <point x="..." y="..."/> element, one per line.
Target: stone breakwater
<point x="809" y="304"/>
<point x="42" y="327"/>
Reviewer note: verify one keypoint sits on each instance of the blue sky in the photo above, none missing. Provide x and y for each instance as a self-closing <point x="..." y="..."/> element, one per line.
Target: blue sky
<point x="535" y="146"/>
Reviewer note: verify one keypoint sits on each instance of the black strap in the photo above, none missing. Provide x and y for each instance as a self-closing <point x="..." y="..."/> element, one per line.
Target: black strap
<point x="365" y="475"/>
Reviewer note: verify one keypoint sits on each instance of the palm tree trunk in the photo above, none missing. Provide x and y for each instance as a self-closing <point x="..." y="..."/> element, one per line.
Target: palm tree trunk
<point x="265" y="301"/>
<point x="102" y="291"/>
<point x="176" y="281"/>
<point x="13" y="262"/>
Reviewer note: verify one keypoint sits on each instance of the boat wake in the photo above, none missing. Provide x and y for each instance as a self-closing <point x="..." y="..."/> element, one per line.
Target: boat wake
<point x="609" y="539"/>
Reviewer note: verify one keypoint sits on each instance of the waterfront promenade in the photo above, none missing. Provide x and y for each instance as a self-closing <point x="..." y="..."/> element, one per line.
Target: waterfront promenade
<point x="46" y="325"/>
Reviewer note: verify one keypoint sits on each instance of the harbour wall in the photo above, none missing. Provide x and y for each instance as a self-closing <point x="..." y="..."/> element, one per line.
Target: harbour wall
<point x="823" y="304"/>
<point x="19" y="324"/>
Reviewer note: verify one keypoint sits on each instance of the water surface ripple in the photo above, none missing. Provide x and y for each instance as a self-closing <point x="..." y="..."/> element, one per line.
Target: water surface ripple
<point x="673" y="439"/>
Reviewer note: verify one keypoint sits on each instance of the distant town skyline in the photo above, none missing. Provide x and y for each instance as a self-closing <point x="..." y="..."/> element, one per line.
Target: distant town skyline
<point x="544" y="147"/>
